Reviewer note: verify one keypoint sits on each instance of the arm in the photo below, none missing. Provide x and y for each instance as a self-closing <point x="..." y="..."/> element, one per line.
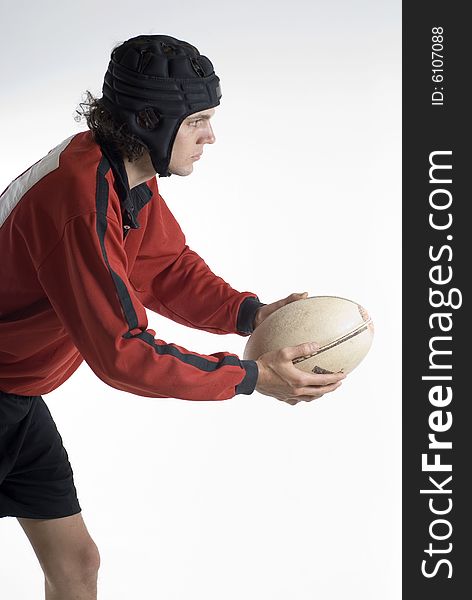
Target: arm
<point x="85" y="280"/>
<point x="186" y="290"/>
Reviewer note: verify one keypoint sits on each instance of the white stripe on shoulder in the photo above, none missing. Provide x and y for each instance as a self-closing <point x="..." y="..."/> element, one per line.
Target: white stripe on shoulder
<point x="17" y="188"/>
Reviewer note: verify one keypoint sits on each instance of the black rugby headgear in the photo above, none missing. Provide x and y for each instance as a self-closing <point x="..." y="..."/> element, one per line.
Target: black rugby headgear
<point x="153" y="83"/>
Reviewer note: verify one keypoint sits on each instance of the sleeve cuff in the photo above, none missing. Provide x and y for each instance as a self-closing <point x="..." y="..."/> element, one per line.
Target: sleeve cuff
<point x="248" y="384"/>
<point x="246" y="314"/>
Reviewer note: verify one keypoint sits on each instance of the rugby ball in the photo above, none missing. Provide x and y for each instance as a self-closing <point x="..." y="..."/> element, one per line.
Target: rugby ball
<point x="342" y="328"/>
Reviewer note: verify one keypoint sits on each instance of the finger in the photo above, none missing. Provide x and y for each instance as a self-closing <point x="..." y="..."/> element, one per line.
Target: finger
<point x="309" y="396"/>
<point x="291" y="352"/>
<point x="319" y="391"/>
<point x="291" y="298"/>
<point x="318" y="379"/>
<point x="294" y="401"/>
<point x="296" y="296"/>
<point x="299" y="378"/>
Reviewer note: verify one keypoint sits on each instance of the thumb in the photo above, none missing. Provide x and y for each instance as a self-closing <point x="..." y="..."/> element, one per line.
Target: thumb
<point x="305" y="349"/>
<point x="295" y="296"/>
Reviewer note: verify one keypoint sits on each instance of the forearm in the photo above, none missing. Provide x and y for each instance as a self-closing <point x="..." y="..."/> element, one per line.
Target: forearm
<point x="188" y="292"/>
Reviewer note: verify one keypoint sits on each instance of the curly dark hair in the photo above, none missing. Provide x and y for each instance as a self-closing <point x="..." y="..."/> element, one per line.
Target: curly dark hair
<point x="106" y="129"/>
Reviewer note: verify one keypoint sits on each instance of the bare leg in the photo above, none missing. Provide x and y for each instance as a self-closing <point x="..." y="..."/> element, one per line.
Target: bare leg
<point x="67" y="554"/>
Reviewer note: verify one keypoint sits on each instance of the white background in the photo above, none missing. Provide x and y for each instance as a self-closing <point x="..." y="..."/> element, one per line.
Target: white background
<point x="250" y="497"/>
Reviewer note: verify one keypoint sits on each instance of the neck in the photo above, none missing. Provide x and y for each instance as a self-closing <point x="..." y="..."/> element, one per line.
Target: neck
<point x="140" y="170"/>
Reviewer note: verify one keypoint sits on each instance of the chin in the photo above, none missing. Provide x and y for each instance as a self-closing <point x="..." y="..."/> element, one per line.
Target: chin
<point x="182" y="171"/>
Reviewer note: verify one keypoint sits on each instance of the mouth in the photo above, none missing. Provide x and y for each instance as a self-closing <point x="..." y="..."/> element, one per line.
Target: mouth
<point x="197" y="156"/>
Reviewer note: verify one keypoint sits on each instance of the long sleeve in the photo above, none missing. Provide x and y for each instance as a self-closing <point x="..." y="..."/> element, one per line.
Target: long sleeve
<point x="85" y="279"/>
<point x="186" y="290"/>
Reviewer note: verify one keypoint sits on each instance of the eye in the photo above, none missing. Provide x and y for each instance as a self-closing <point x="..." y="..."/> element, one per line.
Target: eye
<point x="195" y="123"/>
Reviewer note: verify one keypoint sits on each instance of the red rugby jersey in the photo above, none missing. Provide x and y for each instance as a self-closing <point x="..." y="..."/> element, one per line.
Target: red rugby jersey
<point x="82" y="257"/>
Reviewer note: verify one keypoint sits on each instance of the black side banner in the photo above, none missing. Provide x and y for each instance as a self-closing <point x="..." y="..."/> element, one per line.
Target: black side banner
<point x="437" y="366"/>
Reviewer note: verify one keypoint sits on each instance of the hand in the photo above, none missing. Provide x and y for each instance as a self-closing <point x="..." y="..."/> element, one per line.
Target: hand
<point x="263" y="312"/>
<point x="279" y="378"/>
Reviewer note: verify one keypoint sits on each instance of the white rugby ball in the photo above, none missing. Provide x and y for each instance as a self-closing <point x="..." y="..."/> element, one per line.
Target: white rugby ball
<point x="340" y="326"/>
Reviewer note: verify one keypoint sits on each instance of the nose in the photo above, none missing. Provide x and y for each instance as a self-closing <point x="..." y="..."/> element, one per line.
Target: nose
<point x="212" y="135"/>
<point x="209" y="136"/>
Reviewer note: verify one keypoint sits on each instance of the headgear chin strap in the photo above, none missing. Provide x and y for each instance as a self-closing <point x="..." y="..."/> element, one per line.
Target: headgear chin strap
<point x="153" y="83"/>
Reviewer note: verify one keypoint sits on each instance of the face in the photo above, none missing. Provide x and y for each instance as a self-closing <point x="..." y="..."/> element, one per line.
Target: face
<point x="194" y="132"/>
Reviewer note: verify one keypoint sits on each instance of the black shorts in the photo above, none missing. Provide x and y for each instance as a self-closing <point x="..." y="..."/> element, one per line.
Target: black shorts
<point x="36" y="478"/>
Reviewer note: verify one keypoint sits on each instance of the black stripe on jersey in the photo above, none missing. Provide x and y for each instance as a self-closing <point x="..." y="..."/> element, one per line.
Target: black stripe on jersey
<point x="192" y="359"/>
<point x="101" y="202"/>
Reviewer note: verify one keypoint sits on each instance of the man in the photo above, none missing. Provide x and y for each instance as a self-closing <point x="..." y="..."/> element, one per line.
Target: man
<point x="89" y="244"/>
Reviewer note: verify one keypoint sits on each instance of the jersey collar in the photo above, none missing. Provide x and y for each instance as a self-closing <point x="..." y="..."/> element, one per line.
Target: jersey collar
<point x="132" y="200"/>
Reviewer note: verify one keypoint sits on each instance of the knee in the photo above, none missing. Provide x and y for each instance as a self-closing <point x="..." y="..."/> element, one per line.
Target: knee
<point x="89" y="559"/>
<point x="78" y="567"/>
